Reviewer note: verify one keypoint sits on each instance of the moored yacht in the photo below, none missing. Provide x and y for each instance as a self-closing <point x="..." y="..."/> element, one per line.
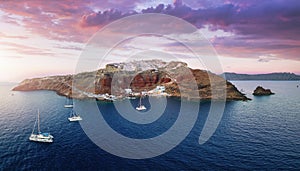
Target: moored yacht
<point x="74" y="117"/>
<point x="141" y="107"/>
<point x="40" y="137"/>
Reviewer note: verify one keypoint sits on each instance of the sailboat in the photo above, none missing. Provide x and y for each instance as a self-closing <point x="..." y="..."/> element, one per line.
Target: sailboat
<point x="74" y="117"/>
<point x="68" y="104"/>
<point x="141" y="107"/>
<point x="40" y="137"/>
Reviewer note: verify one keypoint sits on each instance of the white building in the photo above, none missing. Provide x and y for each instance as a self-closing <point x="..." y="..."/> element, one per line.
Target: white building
<point x="128" y="91"/>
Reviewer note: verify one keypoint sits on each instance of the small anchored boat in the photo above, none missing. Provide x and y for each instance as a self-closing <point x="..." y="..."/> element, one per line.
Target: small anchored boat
<point x="40" y="136"/>
<point x="68" y="104"/>
<point x="74" y="117"/>
<point x="141" y="107"/>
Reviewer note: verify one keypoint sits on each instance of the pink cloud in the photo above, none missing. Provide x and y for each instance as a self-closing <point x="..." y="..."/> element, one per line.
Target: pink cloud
<point x="26" y="50"/>
<point x="2" y="35"/>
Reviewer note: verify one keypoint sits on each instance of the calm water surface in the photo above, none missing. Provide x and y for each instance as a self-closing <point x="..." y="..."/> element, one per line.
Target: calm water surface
<point x="256" y="135"/>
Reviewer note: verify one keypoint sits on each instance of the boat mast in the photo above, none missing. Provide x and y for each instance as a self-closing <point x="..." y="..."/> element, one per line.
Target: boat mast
<point x="72" y="113"/>
<point x="39" y="121"/>
<point x="141" y="99"/>
<point x="34" y="126"/>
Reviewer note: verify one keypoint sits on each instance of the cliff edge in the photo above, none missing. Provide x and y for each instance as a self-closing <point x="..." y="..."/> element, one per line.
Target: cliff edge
<point x="138" y="76"/>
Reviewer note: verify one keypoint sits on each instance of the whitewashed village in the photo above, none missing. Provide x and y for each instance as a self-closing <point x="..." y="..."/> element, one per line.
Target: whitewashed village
<point x="129" y="94"/>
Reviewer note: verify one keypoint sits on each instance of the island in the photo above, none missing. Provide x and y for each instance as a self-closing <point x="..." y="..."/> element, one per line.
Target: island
<point x="260" y="91"/>
<point x="150" y="77"/>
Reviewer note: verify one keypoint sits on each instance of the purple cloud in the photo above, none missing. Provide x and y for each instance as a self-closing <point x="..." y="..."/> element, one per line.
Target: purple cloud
<point x="103" y="18"/>
<point x="278" y="19"/>
<point x="258" y="27"/>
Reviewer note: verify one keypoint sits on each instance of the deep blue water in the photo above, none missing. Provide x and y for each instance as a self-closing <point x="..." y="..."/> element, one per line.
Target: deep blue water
<point x="261" y="134"/>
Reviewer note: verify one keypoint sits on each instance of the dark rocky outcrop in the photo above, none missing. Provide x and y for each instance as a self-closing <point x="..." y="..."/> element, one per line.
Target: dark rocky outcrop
<point x="175" y="76"/>
<point x="260" y="91"/>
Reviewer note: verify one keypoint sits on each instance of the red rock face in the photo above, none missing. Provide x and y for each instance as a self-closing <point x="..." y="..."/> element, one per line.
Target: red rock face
<point x="142" y="81"/>
<point x="138" y="82"/>
<point x="104" y="85"/>
<point x="106" y="81"/>
<point x="165" y="80"/>
<point x="148" y="80"/>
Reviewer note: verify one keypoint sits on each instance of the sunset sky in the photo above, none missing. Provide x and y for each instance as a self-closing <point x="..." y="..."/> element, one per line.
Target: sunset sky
<point x="40" y="38"/>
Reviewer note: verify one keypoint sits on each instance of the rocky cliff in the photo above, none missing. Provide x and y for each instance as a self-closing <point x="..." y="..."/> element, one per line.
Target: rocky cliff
<point x="175" y="76"/>
<point x="260" y="91"/>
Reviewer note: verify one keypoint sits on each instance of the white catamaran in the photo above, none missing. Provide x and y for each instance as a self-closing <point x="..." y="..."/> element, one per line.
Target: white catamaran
<point x="141" y="107"/>
<point x="74" y="117"/>
<point x="40" y="137"/>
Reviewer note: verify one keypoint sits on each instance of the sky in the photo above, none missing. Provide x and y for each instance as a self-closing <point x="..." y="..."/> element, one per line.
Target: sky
<point x="40" y="38"/>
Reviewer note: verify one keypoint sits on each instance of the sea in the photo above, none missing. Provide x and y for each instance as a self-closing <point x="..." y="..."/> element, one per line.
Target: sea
<point x="261" y="134"/>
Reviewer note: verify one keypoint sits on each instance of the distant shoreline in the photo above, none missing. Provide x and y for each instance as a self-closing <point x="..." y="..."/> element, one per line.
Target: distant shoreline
<point x="266" y="80"/>
<point x="285" y="76"/>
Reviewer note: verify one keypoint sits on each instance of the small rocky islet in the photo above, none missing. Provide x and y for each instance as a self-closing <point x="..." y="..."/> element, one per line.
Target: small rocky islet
<point x="260" y="91"/>
<point x="138" y="76"/>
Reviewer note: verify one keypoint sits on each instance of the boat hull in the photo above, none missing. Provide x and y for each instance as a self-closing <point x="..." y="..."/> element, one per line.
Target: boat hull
<point x="41" y="138"/>
<point x="141" y="108"/>
<point x="75" y="118"/>
<point x="68" y="106"/>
